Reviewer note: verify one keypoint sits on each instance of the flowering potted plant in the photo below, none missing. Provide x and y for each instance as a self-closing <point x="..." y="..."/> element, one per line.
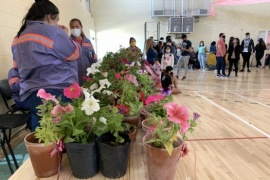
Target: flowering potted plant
<point x="164" y="148"/>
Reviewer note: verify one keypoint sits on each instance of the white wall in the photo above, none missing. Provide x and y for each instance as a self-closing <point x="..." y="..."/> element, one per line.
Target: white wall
<point x="11" y="15"/>
<point x="117" y="20"/>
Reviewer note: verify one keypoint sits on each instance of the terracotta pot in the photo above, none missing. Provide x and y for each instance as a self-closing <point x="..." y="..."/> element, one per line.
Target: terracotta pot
<point x="160" y="164"/>
<point x="133" y="120"/>
<point x="145" y="125"/>
<point x="132" y="135"/>
<point x="43" y="164"/>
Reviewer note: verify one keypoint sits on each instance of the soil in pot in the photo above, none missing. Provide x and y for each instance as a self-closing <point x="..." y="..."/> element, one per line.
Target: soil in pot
<point x="113" y="157"/>
<point x="43" y="164"/>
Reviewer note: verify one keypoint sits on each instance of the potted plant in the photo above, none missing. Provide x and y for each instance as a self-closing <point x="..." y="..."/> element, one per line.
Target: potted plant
<point x="45" y="144"/>
<point x="113" y="147"/>
<point x="164" y="148"/>
<point x="131" y="131"/>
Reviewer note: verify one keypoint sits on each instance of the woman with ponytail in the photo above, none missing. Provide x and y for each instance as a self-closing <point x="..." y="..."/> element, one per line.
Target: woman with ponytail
<point x="88" y="53"/>
<point x="44" y="55"/>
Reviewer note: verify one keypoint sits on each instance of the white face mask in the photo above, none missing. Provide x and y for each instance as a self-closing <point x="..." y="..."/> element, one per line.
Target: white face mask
<point x="168" y="51"/>
<point x="75" y="32"/>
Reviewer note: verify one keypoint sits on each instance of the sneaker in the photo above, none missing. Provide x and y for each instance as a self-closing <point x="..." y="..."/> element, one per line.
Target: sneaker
<point x="236" y="75"/>
<point x="242" y="70"/>
<point x="249" y="70"/>
<point x="224" y="75"/>
<point x="228" y="75"/>
<point x="184" y="77"/>
<point x="218" y="75"/>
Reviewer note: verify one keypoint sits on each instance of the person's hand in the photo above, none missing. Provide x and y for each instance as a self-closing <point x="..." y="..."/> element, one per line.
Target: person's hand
<point x="64" y="28"/>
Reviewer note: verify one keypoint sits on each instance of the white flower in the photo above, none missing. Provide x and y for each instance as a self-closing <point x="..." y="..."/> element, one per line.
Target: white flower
<point x="93" y="86"/>
<point x="90" y="104"/>
<point x="107" y="92"/>
<point x="92" y="69"/>
<point x="104" y="82"/>
<point x="105" y="74"/>
<point x="138" y="63"/>
<point x="97" y="90"/>
<point x="103" y="120"/>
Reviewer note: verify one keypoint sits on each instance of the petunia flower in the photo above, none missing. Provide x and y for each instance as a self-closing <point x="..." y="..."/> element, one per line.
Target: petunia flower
<point x="93" y="86"/>
<point x="154" y="98"/>
<point x="47" y="96"/>
<point x="68" y="108"/>
<point x="104" y="82"/>
<point x="93" y="69"/>
<point x="58" y="110"/>
<point x="90" y="104"/>
<point x="103" y="120"/>
<point x="123" y="109"/>
<point x="107" y="92"/>
<point x="178" y="114"/>
<point x="105" y="74"/>
<point x="118" y="76"/>
<point x="131" y="78"/>
<point x="73" y="91"/>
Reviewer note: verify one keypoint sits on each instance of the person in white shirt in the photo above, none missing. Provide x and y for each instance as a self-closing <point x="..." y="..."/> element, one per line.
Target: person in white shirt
<point x="167" y="58"/>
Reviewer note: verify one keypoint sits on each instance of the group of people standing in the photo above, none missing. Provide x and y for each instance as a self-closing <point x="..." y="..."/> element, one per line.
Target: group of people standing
<point x="46" y="56"/>
<point x="235" y="49"/>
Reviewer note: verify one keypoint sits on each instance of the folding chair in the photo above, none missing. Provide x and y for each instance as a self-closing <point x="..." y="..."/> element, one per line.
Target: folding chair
<point x="8" y="122"/>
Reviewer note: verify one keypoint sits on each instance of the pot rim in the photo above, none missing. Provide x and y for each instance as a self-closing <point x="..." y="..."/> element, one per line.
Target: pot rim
<point x="34" y="144"/>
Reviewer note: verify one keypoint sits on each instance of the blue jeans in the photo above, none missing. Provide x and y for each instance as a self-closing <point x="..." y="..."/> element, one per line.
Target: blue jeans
<point x="33" y="101"/>
<point x="201" y="57"/>
<point x="221" y="65"/>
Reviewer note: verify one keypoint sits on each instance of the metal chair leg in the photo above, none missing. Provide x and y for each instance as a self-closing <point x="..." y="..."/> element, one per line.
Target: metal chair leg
<point x="6" y="155"/>
<point x="10" y="148"/>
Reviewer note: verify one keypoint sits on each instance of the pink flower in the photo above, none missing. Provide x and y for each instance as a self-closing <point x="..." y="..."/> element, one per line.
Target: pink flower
<point x="47" y="96"/>
<point x="184" y="150"/>
<point x="178" y="114"/>
<point x="56" y="120"/>
<point x="58" y="110"/>
<point x="68" y="108"/>
<point x="73" y="91"/>
<point x="154" y="98"/>
<point x="118" y="76"/>
<point x="131" y="78"/>
<point x="151" y="129"/>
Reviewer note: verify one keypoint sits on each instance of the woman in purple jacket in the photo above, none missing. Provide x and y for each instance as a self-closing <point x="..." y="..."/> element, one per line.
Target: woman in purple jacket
<point x="44" y="55"/>
<point x="88" y="53"/>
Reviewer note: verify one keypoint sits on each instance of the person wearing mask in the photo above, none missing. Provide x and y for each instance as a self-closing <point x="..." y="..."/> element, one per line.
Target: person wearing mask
<point x="220" y="54"/>
<point x="45" y="56"/>
<point x="167" y="58"/>
<point x="88" y="53"/>
<point x="186" y="48"/>
<point x="259" y="49"/>
<point x="247" y="46"/>
<point x="134" y="53"/>
<point x="234" y="55"/>
<point x="150" y="52"/>
<point x="202" y="54"/>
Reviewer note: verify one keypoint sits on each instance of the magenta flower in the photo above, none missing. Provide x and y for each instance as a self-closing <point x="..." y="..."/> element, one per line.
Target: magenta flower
<point x="47" y="96"/>
<point x="178" y="114"/>
<point x="73" y="91"/>
<point x="117" y="76"/>
<point x="154" y="98"/>
<point x="131" y="78"/>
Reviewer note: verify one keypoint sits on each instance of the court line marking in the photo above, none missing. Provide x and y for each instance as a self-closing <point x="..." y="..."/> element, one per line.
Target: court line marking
<point x="240" y="119"/>
<point x="227" y="90"/>
<point x="250" y="99"/>
<point x="232" y="138"/>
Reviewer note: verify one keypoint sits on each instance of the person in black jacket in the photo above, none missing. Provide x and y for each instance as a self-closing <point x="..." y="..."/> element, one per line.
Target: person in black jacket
<point x="247" y="46"/>
<point x="259" y="48"/>
<point x="234" y="55"/>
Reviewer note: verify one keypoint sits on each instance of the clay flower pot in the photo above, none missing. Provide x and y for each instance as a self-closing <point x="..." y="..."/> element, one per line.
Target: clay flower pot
<point x="43" y="164"/>
<point x="132" y="135"/>
<point x="146" y="125"/>
<point x="133" y="120"/>
<point x="160" y="164"/>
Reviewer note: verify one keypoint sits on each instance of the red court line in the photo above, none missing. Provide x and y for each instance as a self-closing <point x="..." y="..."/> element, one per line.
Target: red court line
<point x="232" y="138"/>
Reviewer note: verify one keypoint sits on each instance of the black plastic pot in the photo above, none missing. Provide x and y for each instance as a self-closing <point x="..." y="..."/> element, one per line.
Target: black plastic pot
<point x="113" y="160"/>
<point x="83" y="159"/>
